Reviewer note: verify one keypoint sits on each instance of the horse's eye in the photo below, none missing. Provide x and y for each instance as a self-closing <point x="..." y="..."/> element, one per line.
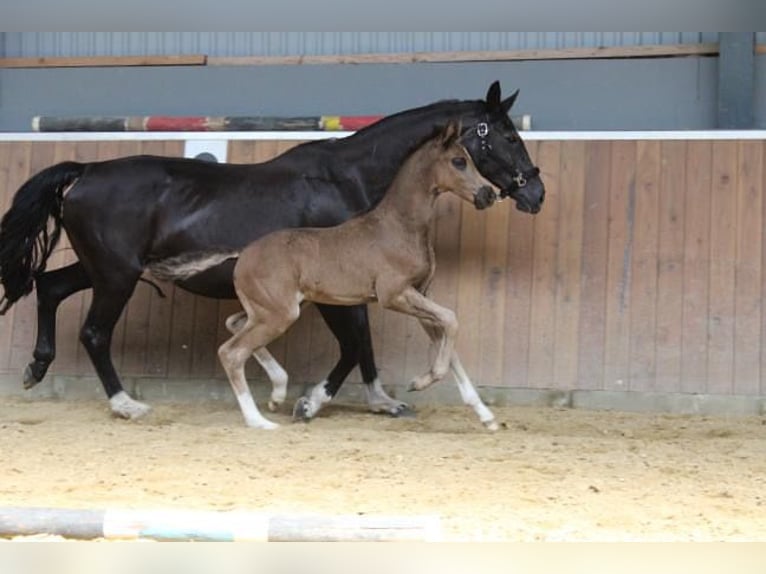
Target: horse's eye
<point x="459" y="162"/>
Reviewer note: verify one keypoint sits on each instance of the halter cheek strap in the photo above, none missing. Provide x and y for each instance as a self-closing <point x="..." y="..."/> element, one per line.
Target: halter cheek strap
<point x="520" y="178"/>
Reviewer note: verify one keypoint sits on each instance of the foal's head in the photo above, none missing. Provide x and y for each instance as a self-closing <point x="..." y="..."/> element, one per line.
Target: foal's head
<point x="454" y="171"/>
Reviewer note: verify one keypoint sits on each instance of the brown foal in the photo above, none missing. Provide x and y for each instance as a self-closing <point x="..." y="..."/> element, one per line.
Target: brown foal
<point x="385" y="255"/>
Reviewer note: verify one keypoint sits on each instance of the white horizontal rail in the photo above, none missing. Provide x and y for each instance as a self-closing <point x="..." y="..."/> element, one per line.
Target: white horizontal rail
<point x="284" y="135"/>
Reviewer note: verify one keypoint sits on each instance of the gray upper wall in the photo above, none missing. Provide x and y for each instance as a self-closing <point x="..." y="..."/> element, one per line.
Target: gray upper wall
<point x="53" y="44"/>
<point x="628" y="94"/>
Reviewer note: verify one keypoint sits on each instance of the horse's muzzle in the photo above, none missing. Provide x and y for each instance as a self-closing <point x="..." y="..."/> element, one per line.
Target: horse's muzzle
<point x="484" y="198"/>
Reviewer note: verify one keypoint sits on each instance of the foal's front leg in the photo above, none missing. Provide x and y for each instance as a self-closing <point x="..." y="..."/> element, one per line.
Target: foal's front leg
<point x="467" y="391"/>
<point x="412" y="302"/>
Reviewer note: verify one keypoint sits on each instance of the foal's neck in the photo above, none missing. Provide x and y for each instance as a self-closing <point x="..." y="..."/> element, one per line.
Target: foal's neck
<point x="411" y="197"/>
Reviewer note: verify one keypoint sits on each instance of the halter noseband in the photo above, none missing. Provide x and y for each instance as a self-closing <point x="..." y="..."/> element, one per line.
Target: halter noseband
<point x="521" y="178"/>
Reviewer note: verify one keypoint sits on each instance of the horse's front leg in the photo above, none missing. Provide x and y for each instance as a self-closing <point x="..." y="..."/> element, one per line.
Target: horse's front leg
<point x="412" y="302"/>
<point x="51" y="287"/>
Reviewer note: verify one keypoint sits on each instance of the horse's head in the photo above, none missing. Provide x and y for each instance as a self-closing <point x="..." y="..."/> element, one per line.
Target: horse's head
<point x="500" y="154"/>
<point x="456" y="172"/>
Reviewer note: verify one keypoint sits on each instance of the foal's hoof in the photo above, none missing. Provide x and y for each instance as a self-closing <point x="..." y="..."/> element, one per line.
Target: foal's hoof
<point x="302" y="410"/>
<point x="30" y="377"/>
<point x="492" y="425"/>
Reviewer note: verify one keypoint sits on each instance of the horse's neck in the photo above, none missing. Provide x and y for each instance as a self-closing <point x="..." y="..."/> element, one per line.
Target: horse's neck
<point x="377" y="152"/>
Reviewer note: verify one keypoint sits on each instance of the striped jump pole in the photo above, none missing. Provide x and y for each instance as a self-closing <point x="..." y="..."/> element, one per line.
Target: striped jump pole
<point x="215" y="123"/>
<point x="209" y="526"/>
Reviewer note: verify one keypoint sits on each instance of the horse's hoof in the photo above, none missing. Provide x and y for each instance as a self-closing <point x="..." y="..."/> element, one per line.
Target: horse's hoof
<point x="301" y="410"/>
<point x="127" y="408"/>
<point x="30" y="380"/>
<point x="403" y="411"/>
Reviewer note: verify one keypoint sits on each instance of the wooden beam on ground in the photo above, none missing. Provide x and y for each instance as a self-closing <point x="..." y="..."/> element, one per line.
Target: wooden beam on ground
<point x="209" y="526"/>
<point x="104" y="61"/>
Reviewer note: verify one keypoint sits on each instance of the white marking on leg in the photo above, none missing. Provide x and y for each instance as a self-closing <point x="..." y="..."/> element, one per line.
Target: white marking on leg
<point x="253" y="417"/>
<point x="124" y="406"/>
<point x="318" y="397"/>
<point x="379" y="401"/>
<point x="469" y="394"/>
<point x="277" y="375"/>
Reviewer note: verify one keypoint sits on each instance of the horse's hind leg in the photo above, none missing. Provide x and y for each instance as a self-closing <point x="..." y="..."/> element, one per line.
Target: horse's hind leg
<point x="51" y="287"/>
<point x="351" y="328"/>
<point x="109" y="300"/>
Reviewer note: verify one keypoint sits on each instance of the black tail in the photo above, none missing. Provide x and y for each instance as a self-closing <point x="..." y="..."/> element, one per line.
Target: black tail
<point x="26" y="236"/>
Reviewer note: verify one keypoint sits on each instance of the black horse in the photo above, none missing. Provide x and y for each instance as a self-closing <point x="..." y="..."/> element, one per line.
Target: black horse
<point x="170" y="216"/>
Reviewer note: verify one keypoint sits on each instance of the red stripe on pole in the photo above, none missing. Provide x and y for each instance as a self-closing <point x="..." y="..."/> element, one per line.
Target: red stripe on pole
<point x="352" y="123"/>
<point x="176" y="124"/>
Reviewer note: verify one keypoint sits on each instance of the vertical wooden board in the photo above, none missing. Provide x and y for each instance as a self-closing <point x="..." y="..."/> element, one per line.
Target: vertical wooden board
<point x="41" y="155"/>
<point x="568" y="264"/>
<point x="748" y="306"/>
<point x="493" y="287"/>
<point x="181" y="333"/>
<point x="643" y="290"/>
<point x="8" y="186"/>
<point x="619" y="265"/>
<point x="670" y="267"/>
<point x="590" y="364"/>
<point x="722" y="268"/>
<point x="518" y="289"/>
<point x="543" y="302"/>
<point x="70" y="309"/>
<point x="469" y="291"/>
<point x="204" y="354"/>
<point x="697" y="210"/>
<point x="762" y="390"/>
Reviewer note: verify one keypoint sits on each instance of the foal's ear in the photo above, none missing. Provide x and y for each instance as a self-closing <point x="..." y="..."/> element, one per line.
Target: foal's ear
<point x="450" y="134"/>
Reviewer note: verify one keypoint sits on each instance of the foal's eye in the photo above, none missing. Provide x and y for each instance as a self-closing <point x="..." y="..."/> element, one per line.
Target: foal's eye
<point x="459" y="162"/>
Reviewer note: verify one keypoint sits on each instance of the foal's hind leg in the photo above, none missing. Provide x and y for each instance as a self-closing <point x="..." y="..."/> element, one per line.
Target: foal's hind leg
<point x="51" y="287"/>
<point x="351" y="328"/>
<point x="277" y="375"/>
<point x="251" y="338"/>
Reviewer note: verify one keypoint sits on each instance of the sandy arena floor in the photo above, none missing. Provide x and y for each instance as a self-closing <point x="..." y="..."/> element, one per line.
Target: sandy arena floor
<point x="550" y="474"/>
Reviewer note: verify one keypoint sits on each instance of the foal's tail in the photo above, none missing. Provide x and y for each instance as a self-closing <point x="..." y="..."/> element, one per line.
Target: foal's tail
<point x="27" y="234"/>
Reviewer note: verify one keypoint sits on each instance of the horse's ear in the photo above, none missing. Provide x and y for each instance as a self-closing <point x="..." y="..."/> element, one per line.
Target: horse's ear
<point x="493" y="95"/>
<point x="508" y="102"/>
<point x="450" y="134"/>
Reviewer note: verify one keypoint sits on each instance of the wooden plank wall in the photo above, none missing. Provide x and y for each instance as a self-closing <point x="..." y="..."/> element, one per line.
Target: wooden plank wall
<point x="644" y="272"/>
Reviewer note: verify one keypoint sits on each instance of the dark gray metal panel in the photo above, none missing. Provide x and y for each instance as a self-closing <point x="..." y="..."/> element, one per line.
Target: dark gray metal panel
<point x="37" y="44"/>
<point x="735" y="80"/>
<point x="673" y="93"/>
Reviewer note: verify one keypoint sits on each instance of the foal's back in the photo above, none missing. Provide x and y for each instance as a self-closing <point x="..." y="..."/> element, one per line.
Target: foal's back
<point x="367" y="257"/>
